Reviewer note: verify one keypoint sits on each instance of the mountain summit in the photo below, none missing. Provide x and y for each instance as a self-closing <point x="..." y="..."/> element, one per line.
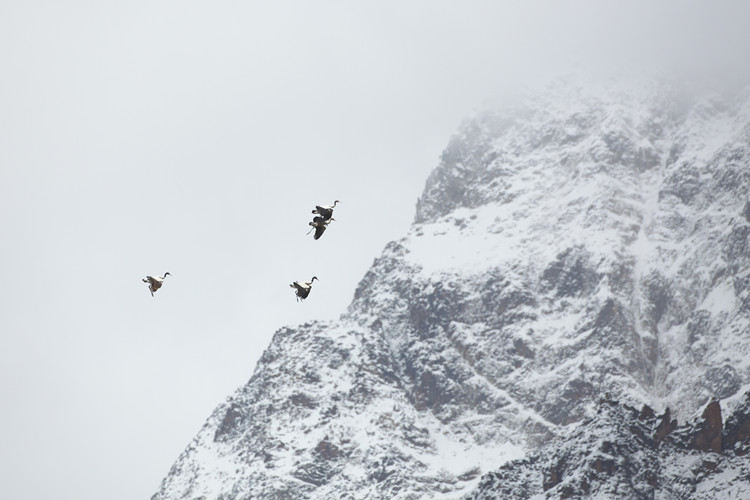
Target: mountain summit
<point x="587" y="246"/>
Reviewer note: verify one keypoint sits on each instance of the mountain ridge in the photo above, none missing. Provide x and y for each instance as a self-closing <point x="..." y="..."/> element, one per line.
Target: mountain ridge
<point x="581" y="243"/>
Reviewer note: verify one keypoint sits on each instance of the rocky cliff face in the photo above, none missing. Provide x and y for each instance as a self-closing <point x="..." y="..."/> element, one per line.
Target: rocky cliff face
<point x="582" y="243"/>
<point x="625" y="453"/>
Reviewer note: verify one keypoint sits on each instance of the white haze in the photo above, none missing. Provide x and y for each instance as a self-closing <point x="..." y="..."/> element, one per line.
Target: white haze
<point x="195" y="137"/>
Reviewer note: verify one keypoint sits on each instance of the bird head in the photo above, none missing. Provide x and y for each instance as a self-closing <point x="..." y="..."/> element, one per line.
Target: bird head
<point x="314" y="278"/>
<point x="167" y="274"/>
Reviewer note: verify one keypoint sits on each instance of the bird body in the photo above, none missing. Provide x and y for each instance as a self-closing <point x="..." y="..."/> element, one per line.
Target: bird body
<point x="320" y="224"/>
<point x="302" y="288"/>
<point x="325" y="211"/>
<point x="155" y="283"/>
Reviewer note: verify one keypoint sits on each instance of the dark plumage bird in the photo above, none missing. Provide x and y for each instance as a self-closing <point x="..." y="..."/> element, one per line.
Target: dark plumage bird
<point x="155" y="283"/>
<point x="303" y="288"/>
<point x="325" y="211"/>
<point x="320" y="225"/>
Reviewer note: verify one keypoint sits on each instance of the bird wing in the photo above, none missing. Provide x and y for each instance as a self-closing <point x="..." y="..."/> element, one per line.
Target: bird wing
<point x="319" y="230"/>
<point x="302" y="289"/>
<point x="153" y="283"/>
<point x="326" y="212"/>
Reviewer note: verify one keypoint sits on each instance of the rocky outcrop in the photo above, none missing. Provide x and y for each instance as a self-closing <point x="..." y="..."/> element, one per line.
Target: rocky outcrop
<point x="736" y="434"/>
<point x="707" y="436"/>
<point x="629" y="454"/>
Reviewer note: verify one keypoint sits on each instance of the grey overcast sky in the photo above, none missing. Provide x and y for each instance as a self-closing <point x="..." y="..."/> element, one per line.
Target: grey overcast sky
<point x="195" y="137"/>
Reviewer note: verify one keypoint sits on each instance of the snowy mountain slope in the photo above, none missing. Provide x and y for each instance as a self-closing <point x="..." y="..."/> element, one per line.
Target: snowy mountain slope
<point x="324" y="415"/>
<point x="587" y="241"/>
<point x="622" y="229"/>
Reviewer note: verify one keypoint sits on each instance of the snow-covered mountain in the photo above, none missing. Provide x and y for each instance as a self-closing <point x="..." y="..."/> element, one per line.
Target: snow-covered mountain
<point x="579" y="254"/>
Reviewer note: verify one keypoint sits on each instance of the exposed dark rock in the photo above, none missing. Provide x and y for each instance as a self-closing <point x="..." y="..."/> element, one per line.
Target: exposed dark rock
<point x="328" y="451"/>
<point x="737" y="247"/>
<point x="570" y="275"/>
<point x="520" y="348"/>
<point x="685" y="185"/>
<point x="737" y="429"/>
<point x="722" y="381"/>
<point x="303" y="400"/>
<point x="571" y="405"/>
<point x="659" y="293"/>
<point x="315" y="473"/>
<point x="469" y="474"/>
<point x="647" y="413"/>
<point x="232" y="419"/>
<point x="553" y="476"/>
<point x="666" y="425"/>
<point x="708" y="434"/>
<point x="604" y="465"/>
